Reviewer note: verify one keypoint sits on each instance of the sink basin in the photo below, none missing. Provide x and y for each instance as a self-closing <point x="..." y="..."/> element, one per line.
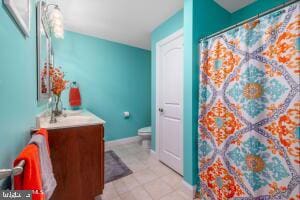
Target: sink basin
<point x="76" y="118"/>
<point x="69" y="119"/>
<point x="73" y="112"/>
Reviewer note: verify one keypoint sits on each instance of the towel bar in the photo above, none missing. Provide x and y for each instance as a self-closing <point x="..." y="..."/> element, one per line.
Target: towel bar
<point x="4" y="173"/>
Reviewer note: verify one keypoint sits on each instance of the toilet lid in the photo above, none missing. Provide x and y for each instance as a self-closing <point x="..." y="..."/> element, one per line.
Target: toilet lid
<point x="145" y="130"/>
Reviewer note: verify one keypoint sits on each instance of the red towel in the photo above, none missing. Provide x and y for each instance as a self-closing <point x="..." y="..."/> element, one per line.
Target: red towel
<point x="44" y="132"/>
<point x="31" y="178"/>
<point x="74" y="97"/>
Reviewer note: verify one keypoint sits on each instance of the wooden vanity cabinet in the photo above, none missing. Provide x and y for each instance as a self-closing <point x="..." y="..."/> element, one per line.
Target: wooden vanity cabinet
<point x="77" y="156"/>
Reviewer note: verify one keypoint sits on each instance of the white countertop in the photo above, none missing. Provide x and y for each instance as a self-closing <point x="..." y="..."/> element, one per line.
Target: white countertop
<point x="69" y="119"/>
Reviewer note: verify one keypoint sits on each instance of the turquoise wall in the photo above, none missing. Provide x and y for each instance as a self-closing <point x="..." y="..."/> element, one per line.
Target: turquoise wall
<point x="253" y="9"/>
<point x="170" y="26"/>
<point x="201" y="18"/>
<point x="18" y="104"/>
<point x="113" y="78"/>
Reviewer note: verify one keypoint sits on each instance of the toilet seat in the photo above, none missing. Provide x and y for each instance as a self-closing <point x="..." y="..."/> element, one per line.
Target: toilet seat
<point x="144" y="131"/>
<point x="144" y="134"/>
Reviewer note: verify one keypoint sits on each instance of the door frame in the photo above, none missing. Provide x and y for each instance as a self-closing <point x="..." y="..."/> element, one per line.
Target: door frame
<point x="159" y="44"/>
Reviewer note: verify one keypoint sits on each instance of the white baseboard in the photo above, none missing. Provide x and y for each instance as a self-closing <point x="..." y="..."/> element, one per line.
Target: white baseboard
<point x="128" y="140"/>
<point x="154" y="154"/>
<point x="191" y="189"/>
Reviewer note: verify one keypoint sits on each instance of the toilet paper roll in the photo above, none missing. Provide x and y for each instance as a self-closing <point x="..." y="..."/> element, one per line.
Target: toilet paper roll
<point x="126" y="114"/>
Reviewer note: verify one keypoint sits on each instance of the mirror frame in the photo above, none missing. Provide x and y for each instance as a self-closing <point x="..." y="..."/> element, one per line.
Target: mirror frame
<point x="25" y="28"/>
<point x="41" y="23"/>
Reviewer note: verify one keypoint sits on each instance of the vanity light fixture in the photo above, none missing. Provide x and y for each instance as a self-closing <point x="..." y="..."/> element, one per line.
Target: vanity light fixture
<point x="55" y="19"/>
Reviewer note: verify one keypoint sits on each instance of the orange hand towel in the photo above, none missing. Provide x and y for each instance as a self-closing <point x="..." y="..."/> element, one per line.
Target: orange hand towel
<point x="30" y="179"/>
<point x="74" y="97"/>
<point x="44" y="132"/>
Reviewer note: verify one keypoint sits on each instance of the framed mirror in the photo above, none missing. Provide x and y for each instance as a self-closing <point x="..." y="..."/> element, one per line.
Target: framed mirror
<point x="20" y="10"/>
<point x="44" y="53"/>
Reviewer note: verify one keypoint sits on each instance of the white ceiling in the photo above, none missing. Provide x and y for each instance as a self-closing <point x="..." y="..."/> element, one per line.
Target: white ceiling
<point x="125" y="21"/>
<point x="234" y="5"/>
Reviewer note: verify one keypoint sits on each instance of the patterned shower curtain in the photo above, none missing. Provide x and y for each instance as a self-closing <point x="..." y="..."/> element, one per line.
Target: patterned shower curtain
<point x="249" y="110"/>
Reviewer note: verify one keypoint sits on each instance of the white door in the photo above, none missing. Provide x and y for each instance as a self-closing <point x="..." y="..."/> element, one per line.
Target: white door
<point x="170" y="101"/>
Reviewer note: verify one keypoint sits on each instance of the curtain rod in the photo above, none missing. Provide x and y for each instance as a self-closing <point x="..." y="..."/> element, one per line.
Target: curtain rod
<point x="250" y="19"/>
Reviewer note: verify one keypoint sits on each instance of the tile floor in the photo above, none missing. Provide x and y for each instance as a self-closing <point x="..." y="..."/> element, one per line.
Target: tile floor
<point x="151" y="180"/>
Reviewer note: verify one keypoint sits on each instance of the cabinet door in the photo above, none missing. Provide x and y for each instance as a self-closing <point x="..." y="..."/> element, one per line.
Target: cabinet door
<point x="90" y="151"/>
<point x="76" y="155"/>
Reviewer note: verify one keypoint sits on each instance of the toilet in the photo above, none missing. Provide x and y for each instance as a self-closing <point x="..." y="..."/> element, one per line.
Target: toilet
<point x="145" y="137"/>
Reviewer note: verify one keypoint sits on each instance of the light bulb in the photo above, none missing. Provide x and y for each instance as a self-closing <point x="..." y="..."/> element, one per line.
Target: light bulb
<point x="55" y="14"/>
<point x="56" y="23"/>
<point x="55" y="18"/>
<point x="59" y="35"/>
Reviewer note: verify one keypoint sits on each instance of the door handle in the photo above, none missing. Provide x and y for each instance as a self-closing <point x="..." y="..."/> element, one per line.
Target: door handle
<point x="160" y="110"/>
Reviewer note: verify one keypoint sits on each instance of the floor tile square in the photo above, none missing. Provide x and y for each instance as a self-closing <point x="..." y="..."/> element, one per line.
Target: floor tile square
<point x="157" y="189"/>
